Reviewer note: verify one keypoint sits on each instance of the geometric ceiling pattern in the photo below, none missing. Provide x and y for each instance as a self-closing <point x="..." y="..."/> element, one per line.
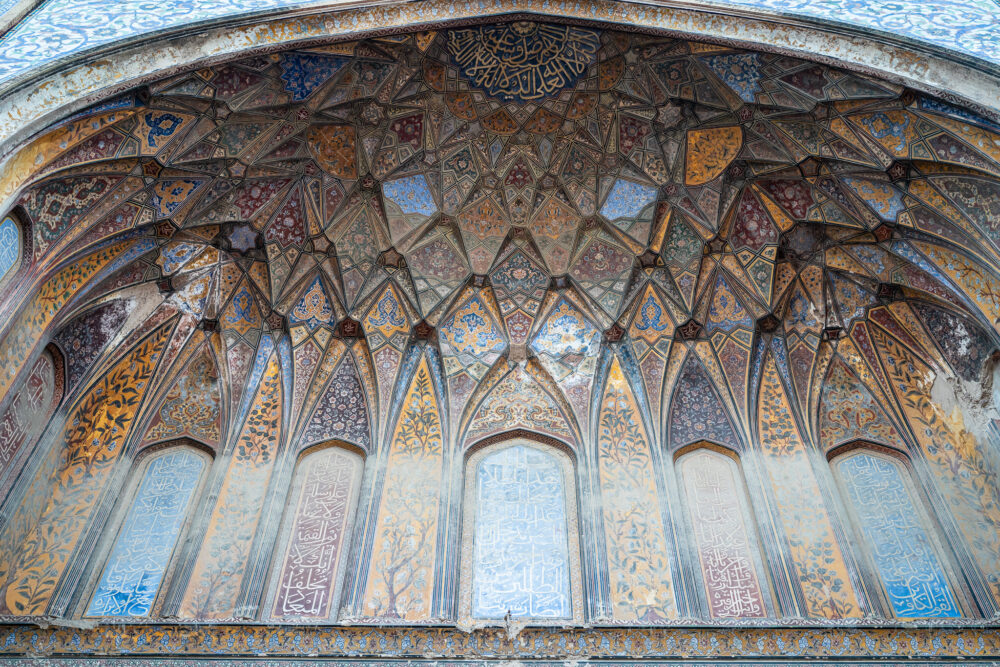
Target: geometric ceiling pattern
<point x="434" y="236"/>
<point x="638" y="186"/>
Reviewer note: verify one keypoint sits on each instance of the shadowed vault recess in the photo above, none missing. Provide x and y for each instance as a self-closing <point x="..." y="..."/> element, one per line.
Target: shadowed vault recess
<point x="518" y="322"/>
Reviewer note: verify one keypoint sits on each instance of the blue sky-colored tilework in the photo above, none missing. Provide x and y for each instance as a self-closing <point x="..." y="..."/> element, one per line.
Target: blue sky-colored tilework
<point x="521" y="552"/>
<point x="906" y="562"/>
<point x="10" y="245"/>
<point x="135" y="569"/>
<point x="627" y="199"/>
<point x="411" y="194"/>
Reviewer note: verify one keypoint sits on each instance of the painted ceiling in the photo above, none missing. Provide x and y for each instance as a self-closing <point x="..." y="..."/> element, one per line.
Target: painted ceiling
<point x="518" y="225"/>
<point x="512" y="207"/>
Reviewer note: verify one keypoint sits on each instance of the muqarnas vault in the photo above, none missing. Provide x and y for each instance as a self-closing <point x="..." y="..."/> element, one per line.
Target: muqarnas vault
<point x="516" y="322"/>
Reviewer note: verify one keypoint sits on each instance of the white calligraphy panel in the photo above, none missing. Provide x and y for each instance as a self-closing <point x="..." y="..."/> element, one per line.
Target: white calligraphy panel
<point x="317" y="538"/>
<point x="521" y="560"/>
<point x="148" y="535"/>
<point x="716" y="503"/>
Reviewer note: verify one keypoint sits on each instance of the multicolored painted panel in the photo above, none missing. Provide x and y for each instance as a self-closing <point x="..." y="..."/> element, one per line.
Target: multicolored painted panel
<point x="423" y="242"/>
<point x="963" y="471"/>
<point x="814" y="548"/>
<point x="639" y="556"/>
<point x="221" y="564"/>
<point x="401" y="575"/>
<point x="10" y="248"/>
<point x="148" y="536"/>
<point x="23" y="333"/>
<point x="28" y="412"/>
<point x="93" y="439"/>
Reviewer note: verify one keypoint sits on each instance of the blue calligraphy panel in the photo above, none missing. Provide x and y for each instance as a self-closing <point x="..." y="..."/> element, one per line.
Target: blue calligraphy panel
<point x="135" y="569"/>
<point x="904" y="557"/>
<point x="521" y="555"/>
<point x="10" y="246"/>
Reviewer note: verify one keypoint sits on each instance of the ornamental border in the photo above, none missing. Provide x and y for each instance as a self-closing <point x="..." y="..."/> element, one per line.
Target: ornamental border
<point x="361" y="642"/>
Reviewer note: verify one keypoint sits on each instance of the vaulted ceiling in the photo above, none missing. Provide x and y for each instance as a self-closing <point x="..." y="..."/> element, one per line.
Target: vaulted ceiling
<point x="522" y="193"/>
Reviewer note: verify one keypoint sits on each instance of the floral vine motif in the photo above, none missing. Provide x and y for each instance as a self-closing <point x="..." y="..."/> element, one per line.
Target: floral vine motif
<point x="523" y="60"/>
<point x="814" y="549"/>
<point x="218" y="572"/>
<point x="639" y="568"/>
<point x="400" y="580"/>
<point x="33" y="563"/>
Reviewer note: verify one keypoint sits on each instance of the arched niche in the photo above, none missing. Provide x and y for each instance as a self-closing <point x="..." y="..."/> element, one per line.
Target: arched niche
<point x="314" y="540"/>
<point x="721" y="522"/>
<point x="15" y="248"/>
<point x="520" y="554"/>
<point x="135" y="559"/>
<point x="903" y="554"/>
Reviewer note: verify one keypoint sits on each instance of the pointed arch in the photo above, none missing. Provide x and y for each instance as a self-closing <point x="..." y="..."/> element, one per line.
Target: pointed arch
<point x="725" y="534"/>
<point x="315" y="537"/>
<point x="895" y="531"/>
<point x="696" y="411"/>
<point x="848" y="411"/>
<point x="192" y="407"/>
<point x="519" y="400"/>
<point x="147" y="526"/>
<point x="518" y="563"/>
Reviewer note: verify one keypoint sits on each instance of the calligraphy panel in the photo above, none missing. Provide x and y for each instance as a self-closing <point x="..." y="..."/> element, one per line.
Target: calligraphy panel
<point x="138" y="562"/>
<point x="717" y="506"/>
<point x="521" y="554"/>
<point x="902" y="551"/>
<point x="318" y="535"/>
<point x="10" y="247"/>
<point x="25" y="417"/>
<point x="524" y="60"/>
<point x="963" y="472"/>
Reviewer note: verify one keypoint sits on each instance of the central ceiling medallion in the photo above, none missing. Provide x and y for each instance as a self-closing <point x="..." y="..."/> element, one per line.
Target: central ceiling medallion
<point x="523" y="61"/>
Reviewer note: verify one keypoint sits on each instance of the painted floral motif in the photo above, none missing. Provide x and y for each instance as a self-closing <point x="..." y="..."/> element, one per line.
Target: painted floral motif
<point x="401" y="577"/>
<point x="85" y="338"/>
<point x="965" y="475"/>
<point x="342" y="411"/>
<point x="192" y="407"/>
<point x="637" y="549"/>
<point x="815" y="551"/>
<point x="222" y="560"/>
<point x="696" y="412"/>
<point x="850" y="412"/>
<point x="34" y="560"/>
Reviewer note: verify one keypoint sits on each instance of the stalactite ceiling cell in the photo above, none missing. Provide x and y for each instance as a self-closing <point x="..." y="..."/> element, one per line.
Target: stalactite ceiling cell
<point x="640" y="247"/>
